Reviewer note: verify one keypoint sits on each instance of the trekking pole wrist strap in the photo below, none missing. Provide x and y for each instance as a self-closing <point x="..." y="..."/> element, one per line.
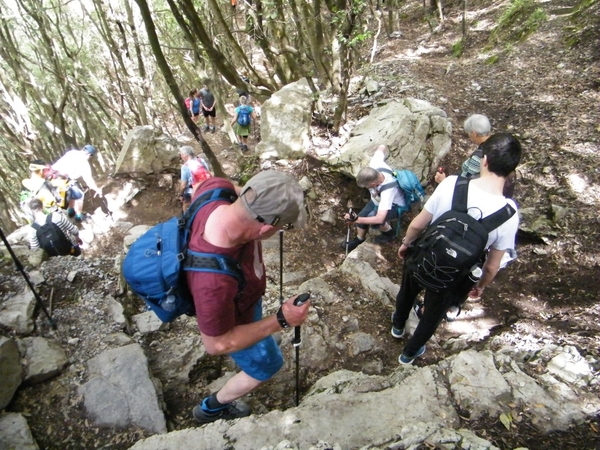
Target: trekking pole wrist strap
<point x="281" y="319"/>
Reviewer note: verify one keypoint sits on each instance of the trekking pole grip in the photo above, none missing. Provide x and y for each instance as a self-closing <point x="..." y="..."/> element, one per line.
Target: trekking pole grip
<point x="299" y="301"/>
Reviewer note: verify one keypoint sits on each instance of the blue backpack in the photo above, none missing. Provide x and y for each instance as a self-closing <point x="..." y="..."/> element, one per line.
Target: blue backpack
<point x="196" y="105"/>
<point x="155" y="265"/>
<point x="243" y="118"/>
<point x="410" y="186"/>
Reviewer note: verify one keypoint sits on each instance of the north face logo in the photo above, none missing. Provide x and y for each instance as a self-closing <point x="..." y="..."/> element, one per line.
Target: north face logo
<point x="451" y="252"/>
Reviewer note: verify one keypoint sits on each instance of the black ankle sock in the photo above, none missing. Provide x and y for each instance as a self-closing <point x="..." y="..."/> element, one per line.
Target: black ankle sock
<point x="213" y="403"/>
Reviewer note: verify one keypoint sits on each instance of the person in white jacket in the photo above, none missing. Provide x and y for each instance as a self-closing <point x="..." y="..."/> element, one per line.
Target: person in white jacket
<point x="74" y="165"/>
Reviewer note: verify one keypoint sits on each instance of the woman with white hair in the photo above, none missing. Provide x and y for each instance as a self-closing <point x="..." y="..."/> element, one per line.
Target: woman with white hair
<point x="477" y="128"/>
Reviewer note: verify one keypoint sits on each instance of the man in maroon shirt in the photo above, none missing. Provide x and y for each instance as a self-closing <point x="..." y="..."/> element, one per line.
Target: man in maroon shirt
<point x="230" y="320"/>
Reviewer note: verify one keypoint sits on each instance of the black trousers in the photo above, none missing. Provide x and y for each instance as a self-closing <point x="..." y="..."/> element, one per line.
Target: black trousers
<point x="435" y="306"/>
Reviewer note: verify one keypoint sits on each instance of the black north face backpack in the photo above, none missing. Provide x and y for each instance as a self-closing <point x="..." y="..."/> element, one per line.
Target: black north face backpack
<point x="449" y="248"/>
<point x="52" y="239"/>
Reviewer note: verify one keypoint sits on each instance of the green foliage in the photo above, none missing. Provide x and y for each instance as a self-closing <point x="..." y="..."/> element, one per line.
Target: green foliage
<point x="249" y="166"/>
<point x="584" y="21"/>
<point x="517" y="22"/>
<point x="348" y="19"/>
<point x="492" y="59"/>
<point x="458" y="48"/>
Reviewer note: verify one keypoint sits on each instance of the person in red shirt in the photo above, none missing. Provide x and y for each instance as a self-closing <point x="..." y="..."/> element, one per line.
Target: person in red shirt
<point x="229" y="318"/>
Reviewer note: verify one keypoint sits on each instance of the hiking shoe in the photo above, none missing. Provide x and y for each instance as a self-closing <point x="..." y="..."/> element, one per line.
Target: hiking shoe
<point x="452" y="313"/>
<point x="214" y="129"/>
<point x="244" y="148"/>
<point x="352" y="244"/>
<point x="396" y="332"/>
<point x="232" y="411"/>
<point x="78" y="217"/>
<point x="206" y="128"/>
<point x="406" y="360"/>
<point x="70" y="212"/>
<point x="385" y="237"/>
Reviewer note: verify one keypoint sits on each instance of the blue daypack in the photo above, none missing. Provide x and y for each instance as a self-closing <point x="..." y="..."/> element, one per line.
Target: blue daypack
<point x="155" y="265"/>
<point x="243" y="116"/>
<point x="196" y="105"/>
<point x="410" y="186"/>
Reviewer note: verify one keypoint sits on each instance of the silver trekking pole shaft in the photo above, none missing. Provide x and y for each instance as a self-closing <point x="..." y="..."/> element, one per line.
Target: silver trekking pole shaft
<point x="281" y="267"/>
<point x="296" y="341"/>
<point x="348" y="235"/>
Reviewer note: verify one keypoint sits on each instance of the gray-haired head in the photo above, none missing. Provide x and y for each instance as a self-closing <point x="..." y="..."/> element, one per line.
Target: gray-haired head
<point x="186" y="150"/>
<point x="35" y="205"/>
<point x="243" y="100"/>
<point x="478" y="124"/>
<point x="366" y="176"/>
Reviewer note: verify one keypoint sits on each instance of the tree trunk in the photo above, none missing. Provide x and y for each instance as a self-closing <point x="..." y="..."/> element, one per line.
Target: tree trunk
<point x="168" y="75"/>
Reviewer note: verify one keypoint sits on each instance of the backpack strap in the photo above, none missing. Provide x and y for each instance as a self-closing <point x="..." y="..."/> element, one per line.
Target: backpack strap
<point x="493" y="221"/>
<point x="391" y="184"/>
<point x="209" y="262"/>
<point x="214" y="263"/>
<point x="461" y="191"/>
<point x="213" y="195"/>
<point x="36" y="226"/>
<point x="459" y="203"/>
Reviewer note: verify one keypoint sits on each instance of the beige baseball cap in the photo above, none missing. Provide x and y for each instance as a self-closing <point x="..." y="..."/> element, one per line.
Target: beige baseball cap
<point x="275" y="198"/>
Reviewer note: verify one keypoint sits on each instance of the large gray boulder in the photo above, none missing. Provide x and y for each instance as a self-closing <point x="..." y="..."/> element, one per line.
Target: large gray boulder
<point x="44" y="359"/>
<point x="15" y="433"/>
<point x="122" y="392"/>
<point x="285" y="122"/>
<point x="147" y="150"/>
<point x="16" y="313"/>
<point x="417" y="134"/>
<point x="11" y="371"/>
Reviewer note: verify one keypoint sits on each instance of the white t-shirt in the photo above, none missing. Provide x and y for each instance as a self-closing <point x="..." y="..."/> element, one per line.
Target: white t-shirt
<point x="388" y="197"/>
<point x="75" y="164"/>
<point x="480" y="204"/>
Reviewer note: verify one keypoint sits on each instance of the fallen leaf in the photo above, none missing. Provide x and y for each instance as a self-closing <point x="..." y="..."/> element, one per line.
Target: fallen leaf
<point x="506" y="420"/>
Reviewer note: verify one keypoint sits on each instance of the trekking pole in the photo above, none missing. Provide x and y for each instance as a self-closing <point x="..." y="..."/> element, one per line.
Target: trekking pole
<point x="20" y="268"/>
<point x="300" y="300"/>
<point x="281" y="267"/>
<point x="348" y="235"/>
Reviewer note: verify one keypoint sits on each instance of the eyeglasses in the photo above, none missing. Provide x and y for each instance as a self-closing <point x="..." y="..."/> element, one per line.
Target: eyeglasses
<point x="275" y="221"/>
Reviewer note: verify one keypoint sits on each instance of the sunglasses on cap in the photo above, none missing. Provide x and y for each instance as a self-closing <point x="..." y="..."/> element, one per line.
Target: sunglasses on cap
<point x="274" y="222"/>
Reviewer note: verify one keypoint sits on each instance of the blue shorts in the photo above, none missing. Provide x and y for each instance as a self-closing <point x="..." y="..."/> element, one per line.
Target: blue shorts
<point x="370" y="210"/>
<point x="262" y="360"/>
<point x="74" y="192"/>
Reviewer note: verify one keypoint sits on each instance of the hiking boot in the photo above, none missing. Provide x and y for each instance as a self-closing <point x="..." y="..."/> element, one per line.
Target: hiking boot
<point x="385" y="237"/>
<point x="452" y="313"/>
<point x="407" y="360"/>
<point x="352" y="244"/>
<point x="232" y="411"/>
<point x="244" y="148"/>
<point x="396" y="332"/>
